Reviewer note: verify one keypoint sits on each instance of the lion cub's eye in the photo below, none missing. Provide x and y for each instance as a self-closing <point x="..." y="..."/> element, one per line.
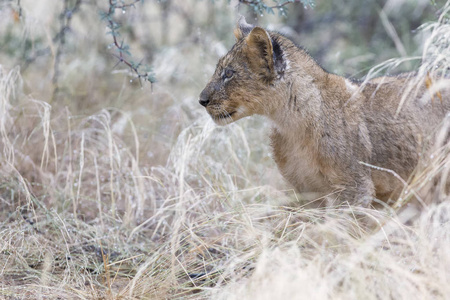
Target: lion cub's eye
<point x="228" y="73"/>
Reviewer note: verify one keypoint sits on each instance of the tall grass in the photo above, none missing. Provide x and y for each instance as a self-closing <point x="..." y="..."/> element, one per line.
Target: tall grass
<point x="125" y="193"/>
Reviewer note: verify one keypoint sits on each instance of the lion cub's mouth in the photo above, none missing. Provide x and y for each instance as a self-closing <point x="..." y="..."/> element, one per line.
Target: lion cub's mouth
<point x="224" y="115"/>
<point x="223" y="118"/>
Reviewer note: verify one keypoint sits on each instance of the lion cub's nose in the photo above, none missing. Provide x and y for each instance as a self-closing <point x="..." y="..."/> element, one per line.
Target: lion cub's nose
<point x="203" y="102"/>
<point x="205" y="95"/>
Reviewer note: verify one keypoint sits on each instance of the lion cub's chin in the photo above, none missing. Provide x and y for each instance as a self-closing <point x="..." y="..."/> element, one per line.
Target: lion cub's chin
<point x="226" y="118"/>
<point x="222" y="121"/>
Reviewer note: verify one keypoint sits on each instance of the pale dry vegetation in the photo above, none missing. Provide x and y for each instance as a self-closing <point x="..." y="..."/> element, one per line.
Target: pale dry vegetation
<point x="110" y="190"/>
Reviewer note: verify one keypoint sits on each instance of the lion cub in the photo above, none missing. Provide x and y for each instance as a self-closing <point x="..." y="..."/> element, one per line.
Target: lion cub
<point x="326" y="128"/>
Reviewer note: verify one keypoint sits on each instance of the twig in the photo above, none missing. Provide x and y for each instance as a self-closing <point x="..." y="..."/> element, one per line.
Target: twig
<point x="250" y="2"/>
<point x="121" y="47"/>
<point x="66" y="18"/>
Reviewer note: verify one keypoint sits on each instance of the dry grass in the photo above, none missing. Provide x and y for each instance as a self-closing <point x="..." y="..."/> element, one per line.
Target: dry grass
<point x="117" y="192"/>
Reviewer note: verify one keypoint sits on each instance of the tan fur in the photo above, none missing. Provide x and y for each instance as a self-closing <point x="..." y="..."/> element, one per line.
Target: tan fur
<point x="324" y="125"/>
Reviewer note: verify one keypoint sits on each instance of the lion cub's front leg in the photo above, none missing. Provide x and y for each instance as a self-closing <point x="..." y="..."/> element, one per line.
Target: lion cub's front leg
<point x="354" y="189"/>
<point x="341" y="178"/>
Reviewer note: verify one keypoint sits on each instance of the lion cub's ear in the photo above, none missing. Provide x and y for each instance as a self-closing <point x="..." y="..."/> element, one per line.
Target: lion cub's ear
<point x="242" y="29"/>
<point x="259" y="52"/>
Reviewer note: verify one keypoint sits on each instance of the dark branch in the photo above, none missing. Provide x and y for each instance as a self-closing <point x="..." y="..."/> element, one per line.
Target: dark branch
<point x="113" y="26"/>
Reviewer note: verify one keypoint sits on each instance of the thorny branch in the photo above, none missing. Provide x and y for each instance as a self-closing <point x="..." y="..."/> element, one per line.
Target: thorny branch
<point x="60" y="39"/>
<point x="121" y="47"/>
<point x="260" y="6"/>
<point x="250" y="2"/>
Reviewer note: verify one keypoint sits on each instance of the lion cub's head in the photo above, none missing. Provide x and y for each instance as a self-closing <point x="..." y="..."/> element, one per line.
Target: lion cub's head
<point x="243" y="77"/>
